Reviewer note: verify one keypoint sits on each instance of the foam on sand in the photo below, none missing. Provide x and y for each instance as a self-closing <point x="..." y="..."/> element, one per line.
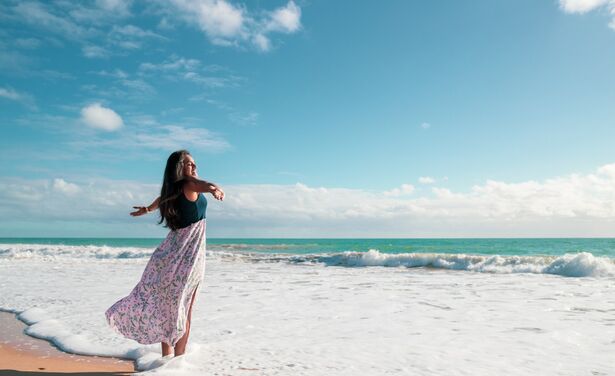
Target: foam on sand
<point x="280" y="316"/>
<point x="23" y="353"/>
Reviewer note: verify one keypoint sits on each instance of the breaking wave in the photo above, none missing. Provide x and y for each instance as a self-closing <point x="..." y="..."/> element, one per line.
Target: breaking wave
<point x="582" y="264"/>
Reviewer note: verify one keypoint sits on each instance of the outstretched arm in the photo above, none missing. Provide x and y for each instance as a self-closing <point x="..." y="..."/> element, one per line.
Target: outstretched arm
<point x="197" y="185"/>
<point x="146" y="209"/>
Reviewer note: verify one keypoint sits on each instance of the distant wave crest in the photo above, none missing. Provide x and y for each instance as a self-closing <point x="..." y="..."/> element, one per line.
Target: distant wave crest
<point x="34" y="251"/>
<point x="582" y="264"/>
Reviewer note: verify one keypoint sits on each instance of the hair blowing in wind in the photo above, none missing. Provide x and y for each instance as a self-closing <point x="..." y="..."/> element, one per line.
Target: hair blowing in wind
<point x="171" y="189"/>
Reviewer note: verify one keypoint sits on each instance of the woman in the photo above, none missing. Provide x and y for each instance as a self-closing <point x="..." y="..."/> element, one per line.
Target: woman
<point x="159" y="308"/>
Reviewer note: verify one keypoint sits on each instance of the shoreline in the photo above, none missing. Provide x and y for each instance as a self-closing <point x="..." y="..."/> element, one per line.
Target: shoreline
<point x="21" y="354"/>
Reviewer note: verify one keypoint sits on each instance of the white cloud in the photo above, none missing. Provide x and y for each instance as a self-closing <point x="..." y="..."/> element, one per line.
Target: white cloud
<point x="100" y="200"/>
<point x="165" y="24"/>
<point x="219" y="19"/>
<point x="607" y="170"/>
<point x="405" y="189"/>
<point x="581" y="6"/>
<point x="61" y="185"/>
<point x="584" y="6"/>
<point x="174" y="137"/>
<point x="208" y="81"/>
<point x="173" y="63"/>
<point x="99" y="117"/>
<point x="570" y="205"/>
<point x="117" y="73"/>
<point x="425" y="125"/>
<point x="145" y="135"/>
<point x="139" y="86"/>
<point x="262" y="42"/>
<point x="426" y="180"/>
<point x="132" y="37"/>
<point x="89" y="23"/>
<point x="179" y="68"/>
<point x="9" y="94"/>
<point x="41" y="16"/>
<point x="135" y="31"/>
<point x="121" y="85"/>
<point x="117" y="7"/>
<point x="285" y="19"/>
<point x="94" y="52"/>
<point x="101" y="26"/>
<point x="98" y="12"/>
<point x="250" y="118"/>
<point x="227" y="24"/>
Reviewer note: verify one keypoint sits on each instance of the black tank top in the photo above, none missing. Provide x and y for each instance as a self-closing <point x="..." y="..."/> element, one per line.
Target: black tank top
<point x="191" y="211"/>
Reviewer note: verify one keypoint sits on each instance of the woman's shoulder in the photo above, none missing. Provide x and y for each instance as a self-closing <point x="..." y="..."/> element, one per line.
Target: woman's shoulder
<point x="189" y="195"/>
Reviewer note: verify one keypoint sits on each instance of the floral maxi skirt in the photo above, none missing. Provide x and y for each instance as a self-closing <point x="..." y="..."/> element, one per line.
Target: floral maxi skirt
<point x="156" y="310"/>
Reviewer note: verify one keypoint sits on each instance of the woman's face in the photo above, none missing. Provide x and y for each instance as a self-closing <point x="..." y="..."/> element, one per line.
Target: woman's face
<point x="189" y="166"/>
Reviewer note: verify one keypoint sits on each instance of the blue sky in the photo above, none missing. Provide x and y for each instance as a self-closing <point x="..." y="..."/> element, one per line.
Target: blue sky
<point x="300" y="105"/>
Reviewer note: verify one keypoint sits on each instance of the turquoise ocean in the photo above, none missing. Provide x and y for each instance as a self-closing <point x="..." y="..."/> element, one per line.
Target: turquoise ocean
<point x="604" y="247"/>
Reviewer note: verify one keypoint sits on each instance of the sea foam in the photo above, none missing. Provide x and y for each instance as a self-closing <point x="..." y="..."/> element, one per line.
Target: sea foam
<point x="342" y="314"/>
<point x="581" y="264"/>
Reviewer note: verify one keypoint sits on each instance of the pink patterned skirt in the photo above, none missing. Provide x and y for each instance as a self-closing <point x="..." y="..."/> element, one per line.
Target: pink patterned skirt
<point x="157" y="308"/>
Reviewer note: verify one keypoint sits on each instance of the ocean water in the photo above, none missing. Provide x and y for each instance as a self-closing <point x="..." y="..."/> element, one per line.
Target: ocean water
<point x="506" y="247"/>
<point x="338" y="306"/>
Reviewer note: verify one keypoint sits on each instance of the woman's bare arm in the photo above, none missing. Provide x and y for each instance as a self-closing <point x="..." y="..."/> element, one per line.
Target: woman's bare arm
<point x="154" y="205"/>
<point x="146" y="209"/>
<point x="197" y="185"/>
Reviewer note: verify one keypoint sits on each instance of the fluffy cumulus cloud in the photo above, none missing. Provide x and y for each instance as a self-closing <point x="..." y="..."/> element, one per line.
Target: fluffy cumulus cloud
<point x="227" y="24"/>
<point x="62" y="186"/>
<point x="581" y="6"/>
<point x="285" y="19"/>
<point x="219" y="19"/>
<point x="99" y="117"/>
<point x="571" y="205"/>
<point x="584" y="6"/>
<point x="426" y="180"/>
<point x="72" y="201"/>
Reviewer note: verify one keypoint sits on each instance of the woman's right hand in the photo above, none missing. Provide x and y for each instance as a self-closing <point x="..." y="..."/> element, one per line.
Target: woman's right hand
<point x="140" y="211"/>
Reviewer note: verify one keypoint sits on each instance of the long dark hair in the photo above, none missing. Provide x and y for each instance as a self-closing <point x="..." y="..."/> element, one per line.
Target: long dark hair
<point x="172" y="187"/>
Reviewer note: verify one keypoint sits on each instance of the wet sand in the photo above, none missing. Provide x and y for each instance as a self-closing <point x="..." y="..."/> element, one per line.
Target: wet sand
<point x="21" y="354"/>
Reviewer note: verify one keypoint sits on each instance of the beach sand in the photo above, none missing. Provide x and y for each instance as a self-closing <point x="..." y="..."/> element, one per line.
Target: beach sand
<point x="21" y="354"/>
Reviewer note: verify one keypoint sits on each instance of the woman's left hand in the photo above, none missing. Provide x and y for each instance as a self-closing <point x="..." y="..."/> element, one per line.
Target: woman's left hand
<point x="217" y="192"/>
<point x="140" y="211"/>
